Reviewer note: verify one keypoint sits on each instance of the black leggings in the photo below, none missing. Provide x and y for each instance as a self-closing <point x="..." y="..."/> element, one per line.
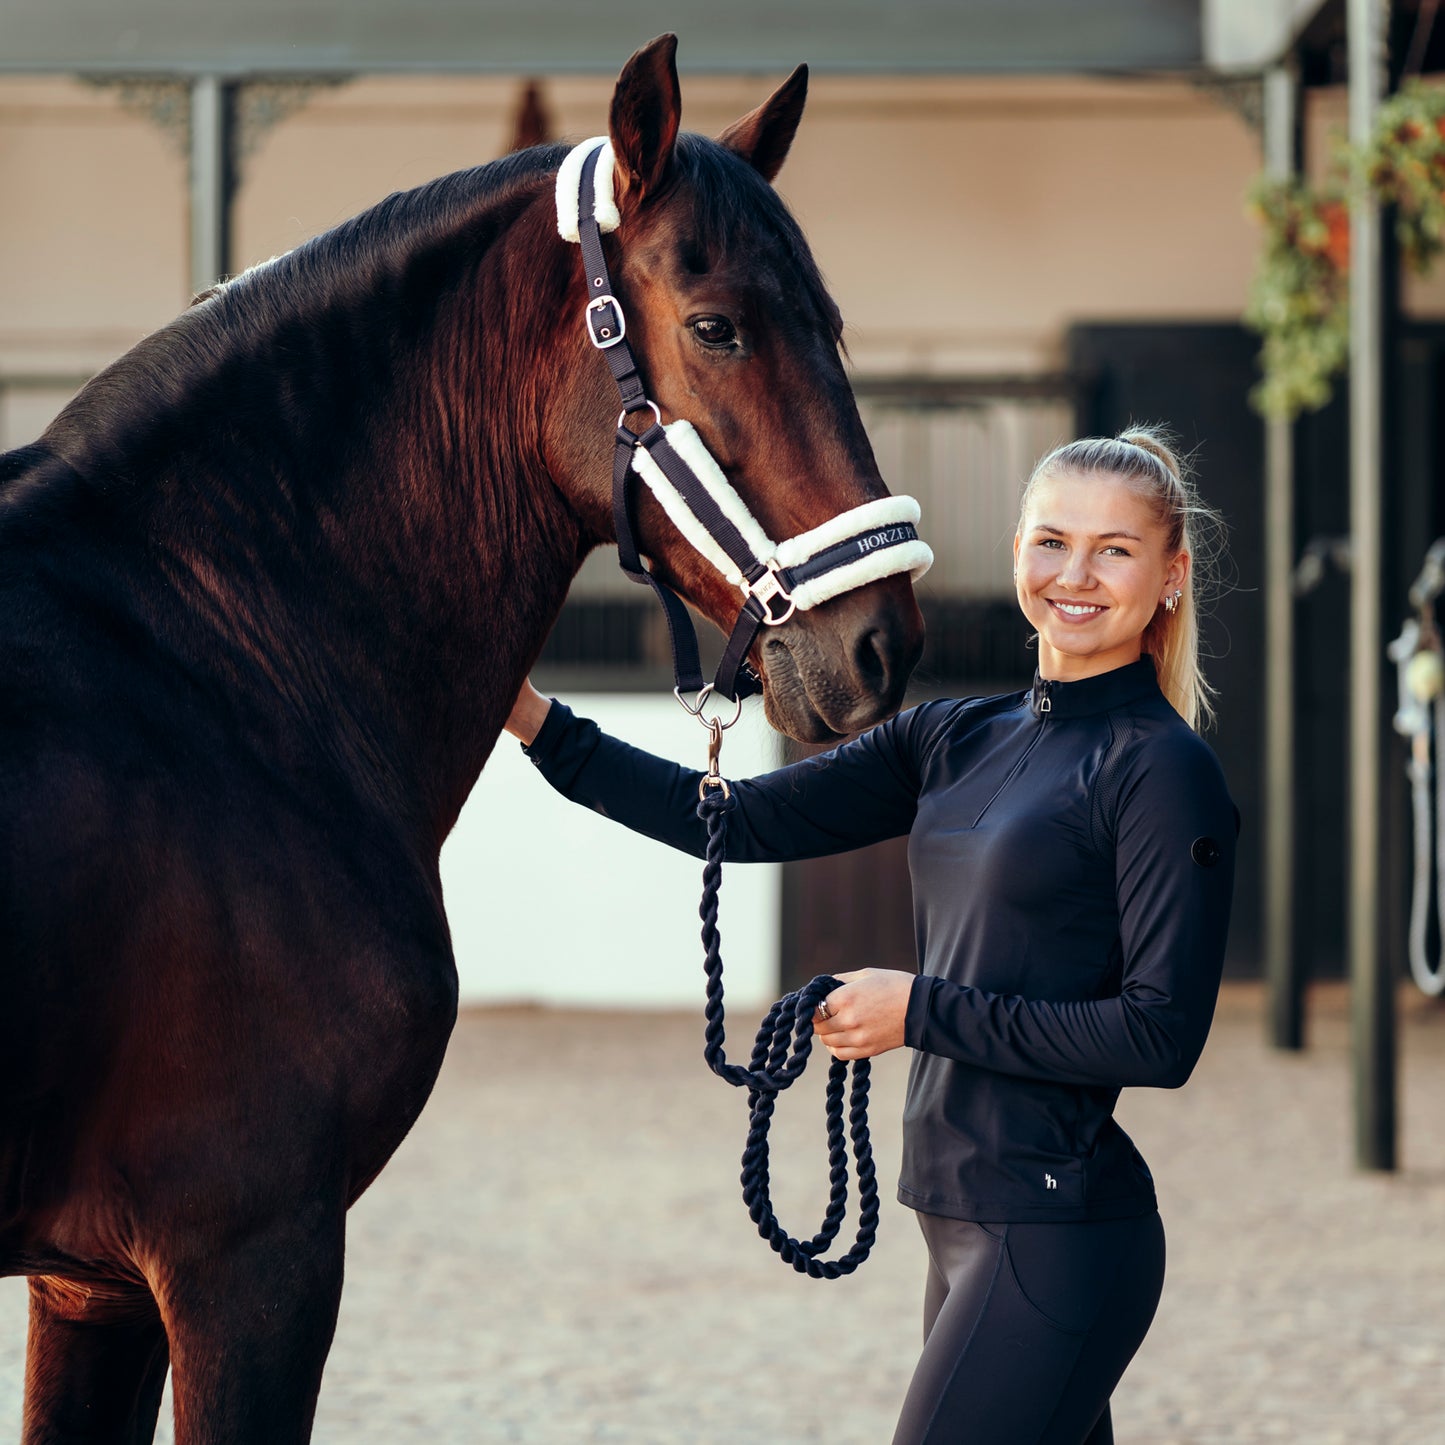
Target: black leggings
<point x="1027" y="1329"/>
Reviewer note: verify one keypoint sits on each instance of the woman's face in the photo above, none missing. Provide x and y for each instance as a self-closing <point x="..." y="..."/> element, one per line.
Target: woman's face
<point x="1092" y="569"/>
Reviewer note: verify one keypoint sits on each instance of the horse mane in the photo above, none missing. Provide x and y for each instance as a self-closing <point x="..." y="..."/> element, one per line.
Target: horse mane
<point x="343" y="266"/>
<point x="109" y="421"/>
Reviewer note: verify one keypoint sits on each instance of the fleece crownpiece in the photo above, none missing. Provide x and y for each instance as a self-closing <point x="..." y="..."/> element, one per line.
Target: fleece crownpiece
<point x="569" y="180"/>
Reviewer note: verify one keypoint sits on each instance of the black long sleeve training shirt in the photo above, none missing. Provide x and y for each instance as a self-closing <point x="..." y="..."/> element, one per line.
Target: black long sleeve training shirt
<point x="1072" y="856"/>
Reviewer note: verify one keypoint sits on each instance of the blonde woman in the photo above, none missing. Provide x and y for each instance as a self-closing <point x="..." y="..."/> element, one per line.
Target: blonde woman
<point x="1072" y="857"/>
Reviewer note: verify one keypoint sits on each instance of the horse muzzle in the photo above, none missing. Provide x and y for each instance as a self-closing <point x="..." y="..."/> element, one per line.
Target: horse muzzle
<point x="843" y="666"/>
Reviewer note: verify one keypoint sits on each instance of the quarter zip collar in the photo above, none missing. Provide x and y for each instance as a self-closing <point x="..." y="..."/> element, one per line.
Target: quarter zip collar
<point x="1119" y="687"/>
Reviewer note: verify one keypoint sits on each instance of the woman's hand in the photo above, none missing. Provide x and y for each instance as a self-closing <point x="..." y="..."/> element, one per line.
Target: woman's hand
<point x="529" y="712"/>
<point x="865" y="1016"/>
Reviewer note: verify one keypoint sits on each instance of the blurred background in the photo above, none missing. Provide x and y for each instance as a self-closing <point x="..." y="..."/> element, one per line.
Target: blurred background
<point x="1034" y="216"/>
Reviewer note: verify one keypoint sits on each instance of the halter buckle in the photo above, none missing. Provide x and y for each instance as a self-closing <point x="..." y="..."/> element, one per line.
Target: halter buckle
<point x="767" y="587"/>
<point x="603" y="336"/>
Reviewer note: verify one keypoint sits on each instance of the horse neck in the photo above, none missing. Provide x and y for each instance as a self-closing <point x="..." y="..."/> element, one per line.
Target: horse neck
<point x="401" y="548"/>
<point x="466" y="512"/>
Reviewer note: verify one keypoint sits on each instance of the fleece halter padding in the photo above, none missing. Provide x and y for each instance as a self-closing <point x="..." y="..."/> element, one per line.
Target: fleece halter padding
<point x="569" y="188"/>
<point x="873" y="532"/>
<point x="864" y="544"/>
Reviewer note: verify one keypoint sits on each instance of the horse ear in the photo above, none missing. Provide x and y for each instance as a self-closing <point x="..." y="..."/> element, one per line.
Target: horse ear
<point x="763" y="137"/>
<point x="646" y="109"/>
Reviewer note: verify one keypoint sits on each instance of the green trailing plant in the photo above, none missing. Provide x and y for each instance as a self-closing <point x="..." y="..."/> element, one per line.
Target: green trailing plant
<point x="1299" y="302"/>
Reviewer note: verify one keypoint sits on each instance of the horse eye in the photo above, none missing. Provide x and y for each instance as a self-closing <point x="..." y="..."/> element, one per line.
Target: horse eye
<point x="714" y="331"/>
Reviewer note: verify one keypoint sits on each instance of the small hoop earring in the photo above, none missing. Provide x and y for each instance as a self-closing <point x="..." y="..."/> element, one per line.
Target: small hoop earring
<point x="1172" y="601"/>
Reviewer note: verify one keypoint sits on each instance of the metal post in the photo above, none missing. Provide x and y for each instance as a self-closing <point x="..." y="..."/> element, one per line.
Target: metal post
<point x="1371" y="994"/>
<point x="210" y="184"/>
<point x="1281" y="962"/>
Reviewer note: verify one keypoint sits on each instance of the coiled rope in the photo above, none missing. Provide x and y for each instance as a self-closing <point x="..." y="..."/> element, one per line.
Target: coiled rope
<point x="780" y="1054"/>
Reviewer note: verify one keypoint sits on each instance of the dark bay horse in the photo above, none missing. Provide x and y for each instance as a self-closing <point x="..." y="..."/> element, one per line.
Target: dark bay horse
<point x="268" y="587"/>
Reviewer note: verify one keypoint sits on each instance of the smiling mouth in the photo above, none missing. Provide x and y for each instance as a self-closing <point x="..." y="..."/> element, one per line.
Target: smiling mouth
<point x="1081" y="611"/>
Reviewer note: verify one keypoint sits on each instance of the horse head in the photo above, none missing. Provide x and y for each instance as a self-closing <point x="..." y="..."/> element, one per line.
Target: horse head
<point x="735" y="332"/>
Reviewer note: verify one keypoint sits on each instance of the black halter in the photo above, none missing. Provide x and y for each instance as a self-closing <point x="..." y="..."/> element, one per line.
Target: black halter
<point x="770" y="589"/>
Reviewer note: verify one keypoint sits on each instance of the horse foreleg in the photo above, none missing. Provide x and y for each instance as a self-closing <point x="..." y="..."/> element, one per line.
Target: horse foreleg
<point x="95" y="1365"/>
<point x="250" y="1329"/>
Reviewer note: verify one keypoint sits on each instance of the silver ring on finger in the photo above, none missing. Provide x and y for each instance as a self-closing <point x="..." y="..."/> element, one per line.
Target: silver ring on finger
<point x="824" y="1012"/>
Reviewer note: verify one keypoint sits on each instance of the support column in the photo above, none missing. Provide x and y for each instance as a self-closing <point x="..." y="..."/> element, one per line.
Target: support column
<point x="210" y="182"/>
<point x="1283" y="974"/>
<point x="1372" y="1005"/>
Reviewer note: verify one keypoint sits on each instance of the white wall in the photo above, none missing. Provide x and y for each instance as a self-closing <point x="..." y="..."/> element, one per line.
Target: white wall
<point x="92" y="228"/>
<point x="550" y="903"/>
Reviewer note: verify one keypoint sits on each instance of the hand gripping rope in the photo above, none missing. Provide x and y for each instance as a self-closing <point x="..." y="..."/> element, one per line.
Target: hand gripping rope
<point x="780" y="1053"/>
<point x="875" y="540"/>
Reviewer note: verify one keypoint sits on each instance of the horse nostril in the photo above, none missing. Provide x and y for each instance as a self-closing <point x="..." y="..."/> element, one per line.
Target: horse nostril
<point x="873" y="658"/>
<point x="884" y="656"/>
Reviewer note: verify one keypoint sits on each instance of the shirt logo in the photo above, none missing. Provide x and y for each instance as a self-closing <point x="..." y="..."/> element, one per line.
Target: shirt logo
<point x="1205" y="852"/>
<point x="1050" y="1182"/>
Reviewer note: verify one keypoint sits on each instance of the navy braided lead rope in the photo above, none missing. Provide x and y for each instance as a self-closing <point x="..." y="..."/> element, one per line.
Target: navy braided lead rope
<point x="779" y="1057"/>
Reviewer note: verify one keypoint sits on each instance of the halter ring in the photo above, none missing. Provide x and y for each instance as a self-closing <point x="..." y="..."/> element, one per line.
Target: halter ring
<point x="696" y="708"/>
<point x="624" y="414"/>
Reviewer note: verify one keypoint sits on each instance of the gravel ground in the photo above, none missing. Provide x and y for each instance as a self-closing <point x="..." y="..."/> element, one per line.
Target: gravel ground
<point x="558" y="1254"/>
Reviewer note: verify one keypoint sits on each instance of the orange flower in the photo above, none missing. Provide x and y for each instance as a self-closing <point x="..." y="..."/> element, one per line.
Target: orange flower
<point x="1336" y="216"/>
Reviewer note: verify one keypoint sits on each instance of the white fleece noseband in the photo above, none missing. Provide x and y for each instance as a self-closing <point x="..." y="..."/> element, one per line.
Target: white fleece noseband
<point x="869" y="529"/>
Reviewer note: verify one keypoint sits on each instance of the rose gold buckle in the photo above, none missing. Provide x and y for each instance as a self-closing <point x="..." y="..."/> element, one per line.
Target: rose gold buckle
<point x="767" y="587"/>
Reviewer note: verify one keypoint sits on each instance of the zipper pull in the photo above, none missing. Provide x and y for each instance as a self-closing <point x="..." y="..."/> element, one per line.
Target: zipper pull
<point x="1046" y="703"/>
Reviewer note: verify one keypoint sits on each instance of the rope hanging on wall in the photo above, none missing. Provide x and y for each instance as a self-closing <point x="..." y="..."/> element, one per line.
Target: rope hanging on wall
<point x="1419" y="654"/>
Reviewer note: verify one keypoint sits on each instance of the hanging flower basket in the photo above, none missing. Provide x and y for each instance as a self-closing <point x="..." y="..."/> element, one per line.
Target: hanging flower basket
<point x="1299" y="302"/>
<point x="1404" y="166"/>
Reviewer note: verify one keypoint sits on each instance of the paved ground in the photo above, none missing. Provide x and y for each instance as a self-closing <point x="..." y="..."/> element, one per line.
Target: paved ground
<point x="558" y="1255"/>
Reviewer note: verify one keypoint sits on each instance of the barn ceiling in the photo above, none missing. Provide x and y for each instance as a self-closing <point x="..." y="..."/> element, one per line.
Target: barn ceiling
<point x="239" y="37"/>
